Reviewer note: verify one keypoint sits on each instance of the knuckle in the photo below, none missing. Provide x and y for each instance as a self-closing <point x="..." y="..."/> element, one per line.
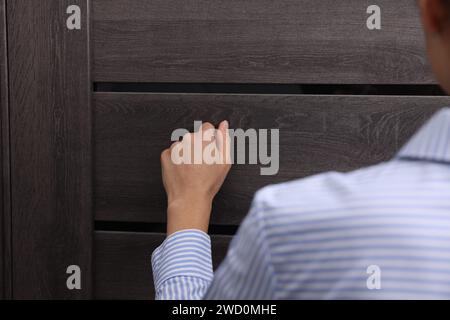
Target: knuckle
<point x="187" y="136"/>
<point x="165" y="154"/>
<point x="208" y="125"/>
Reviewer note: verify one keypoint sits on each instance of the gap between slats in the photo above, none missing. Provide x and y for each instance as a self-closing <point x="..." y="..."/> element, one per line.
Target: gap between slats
<point x="248" y="88"/>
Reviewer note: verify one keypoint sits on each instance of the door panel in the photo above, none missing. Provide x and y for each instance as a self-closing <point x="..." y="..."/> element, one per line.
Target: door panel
<point x="79" y="150"/>
<point x="317" y="134"/>
<point x="257" y="41"/>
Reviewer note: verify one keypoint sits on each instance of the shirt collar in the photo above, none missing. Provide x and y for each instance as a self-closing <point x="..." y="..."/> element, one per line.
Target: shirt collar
<point x="432" y="141"/>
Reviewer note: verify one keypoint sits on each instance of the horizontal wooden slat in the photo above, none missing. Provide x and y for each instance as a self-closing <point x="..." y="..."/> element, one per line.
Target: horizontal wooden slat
<point x="122" y="263"/>
<point x="317" y="134"/>
<point x="257" y="41"/>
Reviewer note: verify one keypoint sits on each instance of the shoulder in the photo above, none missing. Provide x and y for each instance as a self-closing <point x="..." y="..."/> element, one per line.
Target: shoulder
<point x="327" y="190"/>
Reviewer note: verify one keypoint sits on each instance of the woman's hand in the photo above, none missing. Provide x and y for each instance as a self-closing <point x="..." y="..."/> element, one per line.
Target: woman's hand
<point x="191" y="187"/>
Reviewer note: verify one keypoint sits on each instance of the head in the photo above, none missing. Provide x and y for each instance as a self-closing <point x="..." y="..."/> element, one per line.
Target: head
<point x="436" y="22"/>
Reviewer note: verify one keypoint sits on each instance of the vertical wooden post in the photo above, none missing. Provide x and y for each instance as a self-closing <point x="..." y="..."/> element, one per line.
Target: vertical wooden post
<point x="5" y="209"/>
<point x="50" y="130"/>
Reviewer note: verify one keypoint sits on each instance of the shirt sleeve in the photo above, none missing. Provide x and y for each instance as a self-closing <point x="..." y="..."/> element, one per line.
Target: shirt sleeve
<point x="182" y="265"/>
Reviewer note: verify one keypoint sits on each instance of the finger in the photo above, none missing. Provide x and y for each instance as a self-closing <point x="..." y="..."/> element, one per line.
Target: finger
<point x="220" y="135"/>
<point x="172" y="150"/>
<point x="187" y="137"/>
<point x="174" y="144"/>
<point x="164" y="155"/>
<point x="206" y="135"/>
<point x="223" y="141"/>
<point x="207" y="125"/>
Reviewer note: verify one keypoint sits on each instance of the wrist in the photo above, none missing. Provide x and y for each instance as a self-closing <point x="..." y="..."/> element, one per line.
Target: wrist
<point x="190" y="212"/>
<point x="189" y="199"/>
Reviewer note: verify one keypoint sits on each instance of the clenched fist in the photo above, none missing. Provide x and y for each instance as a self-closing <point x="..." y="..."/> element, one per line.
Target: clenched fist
<point x="193" y="170"/>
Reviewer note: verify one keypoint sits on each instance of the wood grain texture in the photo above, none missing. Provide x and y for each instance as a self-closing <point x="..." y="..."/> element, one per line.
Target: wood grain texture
<point x="50" y="149"/>
<point x="257" y="41"/>
<point x="317" y="134"/>
<point x="5" y="213"/>
<point x="123" y="263"/>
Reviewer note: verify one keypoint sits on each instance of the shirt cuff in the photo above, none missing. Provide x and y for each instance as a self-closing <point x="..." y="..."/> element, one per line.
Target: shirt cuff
<point x="185" y="253"/>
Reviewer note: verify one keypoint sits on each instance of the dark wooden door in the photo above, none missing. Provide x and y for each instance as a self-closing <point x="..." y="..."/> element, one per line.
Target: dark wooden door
<point x="5" y="217"/>
<point x="86" y="112"/>
<point x="50" y="149"/>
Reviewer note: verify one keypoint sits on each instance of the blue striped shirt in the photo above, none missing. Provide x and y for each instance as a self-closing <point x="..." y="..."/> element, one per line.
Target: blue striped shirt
<point x="381" y="232"/>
